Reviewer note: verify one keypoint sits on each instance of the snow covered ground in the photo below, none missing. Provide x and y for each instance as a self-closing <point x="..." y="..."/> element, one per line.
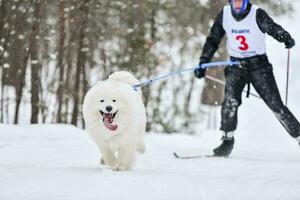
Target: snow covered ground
<point x="61" y="162"/>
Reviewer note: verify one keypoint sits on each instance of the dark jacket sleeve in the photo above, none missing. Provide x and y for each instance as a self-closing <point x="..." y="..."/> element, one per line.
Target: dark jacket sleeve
<point x="267" y="25"/>
<point x="213" y="40"/>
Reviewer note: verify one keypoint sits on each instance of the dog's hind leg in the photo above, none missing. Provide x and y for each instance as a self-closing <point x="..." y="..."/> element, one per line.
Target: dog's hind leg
<point x="140" y="146"/>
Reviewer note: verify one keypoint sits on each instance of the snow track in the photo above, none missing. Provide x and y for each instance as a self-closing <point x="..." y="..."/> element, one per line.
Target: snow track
<point x="61" y="162"/>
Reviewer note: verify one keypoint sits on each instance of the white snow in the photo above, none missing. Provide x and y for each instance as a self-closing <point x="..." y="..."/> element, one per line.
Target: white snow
<point x="34" y="62"/>
<point x="6" y="54"/>
<point x="6" y="65"/>
<point x="53" y="162"/>
<point x="61" y="162"/>
<point x="85" y="49"/>
<point x="21" y="36"/>
<point x="6" y="25"/>
<point x="13" y="32"/>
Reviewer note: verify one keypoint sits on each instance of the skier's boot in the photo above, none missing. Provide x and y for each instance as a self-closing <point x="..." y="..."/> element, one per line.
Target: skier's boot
<point x="226" y="147"/>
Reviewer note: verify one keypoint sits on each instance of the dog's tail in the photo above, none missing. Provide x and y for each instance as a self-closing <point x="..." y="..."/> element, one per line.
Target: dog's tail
<point x="125" y="77"/>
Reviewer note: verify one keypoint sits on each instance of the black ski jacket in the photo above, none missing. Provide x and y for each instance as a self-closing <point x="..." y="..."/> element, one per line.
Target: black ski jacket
<point x="264" y="21"/>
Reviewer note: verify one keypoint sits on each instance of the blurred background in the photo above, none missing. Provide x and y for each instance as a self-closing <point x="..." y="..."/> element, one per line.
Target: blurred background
<point x="52" y="52"/>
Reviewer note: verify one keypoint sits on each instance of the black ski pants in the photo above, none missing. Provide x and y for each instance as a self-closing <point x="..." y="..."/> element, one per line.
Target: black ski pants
<point x="259" y="72"/>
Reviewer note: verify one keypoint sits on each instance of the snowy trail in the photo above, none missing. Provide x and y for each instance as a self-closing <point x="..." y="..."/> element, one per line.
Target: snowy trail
<point x="61" y="162"/>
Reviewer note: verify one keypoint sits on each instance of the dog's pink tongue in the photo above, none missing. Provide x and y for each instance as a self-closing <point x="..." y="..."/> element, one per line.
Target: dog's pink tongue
<point x="107" y="120"/>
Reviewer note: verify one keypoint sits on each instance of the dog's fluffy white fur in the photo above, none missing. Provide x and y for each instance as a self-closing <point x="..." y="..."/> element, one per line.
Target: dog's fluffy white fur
<point x="123" y="133"/>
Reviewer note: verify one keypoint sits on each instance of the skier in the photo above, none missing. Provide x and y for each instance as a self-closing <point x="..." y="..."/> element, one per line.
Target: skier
<point x="245" y="26"/>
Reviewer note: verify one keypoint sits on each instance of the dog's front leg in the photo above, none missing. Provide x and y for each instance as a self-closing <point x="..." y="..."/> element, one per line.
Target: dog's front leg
<point x="126" y="155"/>
<point x="108" y="156"/>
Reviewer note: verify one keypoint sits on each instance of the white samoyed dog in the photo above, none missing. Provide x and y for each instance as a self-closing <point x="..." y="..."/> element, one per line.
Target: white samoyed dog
<point x="115" y="117"/>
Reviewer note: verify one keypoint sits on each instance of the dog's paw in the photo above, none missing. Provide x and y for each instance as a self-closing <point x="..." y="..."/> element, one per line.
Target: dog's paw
<point x="120" y="168"/>
<point x="141" y="148"/>
<point x="102" y="161"/>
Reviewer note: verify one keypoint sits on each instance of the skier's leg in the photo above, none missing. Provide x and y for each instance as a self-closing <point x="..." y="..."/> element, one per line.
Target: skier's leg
<point x="235" y="83"/>
<point x="264" y="82"/>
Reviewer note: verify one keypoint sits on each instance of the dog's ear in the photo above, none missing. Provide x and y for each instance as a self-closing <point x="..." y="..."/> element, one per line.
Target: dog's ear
<point x="125" y="77"/>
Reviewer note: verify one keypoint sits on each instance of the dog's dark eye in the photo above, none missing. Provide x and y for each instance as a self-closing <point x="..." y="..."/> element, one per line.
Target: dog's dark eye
<point x="101" y="100"/>
<point x="114" y="100"/>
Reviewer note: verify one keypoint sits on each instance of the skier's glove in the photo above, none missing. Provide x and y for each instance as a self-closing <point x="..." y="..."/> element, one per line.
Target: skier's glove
<point x="289" y="43"/>
<point x="200" y="72"/>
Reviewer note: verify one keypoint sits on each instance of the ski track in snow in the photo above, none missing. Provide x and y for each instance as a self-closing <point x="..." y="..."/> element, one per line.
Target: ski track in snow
<point x="62" y="162"/>
<point x="2" y="146"/>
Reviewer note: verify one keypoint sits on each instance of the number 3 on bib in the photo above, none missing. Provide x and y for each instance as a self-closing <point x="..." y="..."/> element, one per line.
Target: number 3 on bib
<point x="244" y="45"/>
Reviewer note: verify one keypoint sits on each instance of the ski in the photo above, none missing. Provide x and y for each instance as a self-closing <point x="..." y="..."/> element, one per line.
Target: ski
<point x="198" y="156"/>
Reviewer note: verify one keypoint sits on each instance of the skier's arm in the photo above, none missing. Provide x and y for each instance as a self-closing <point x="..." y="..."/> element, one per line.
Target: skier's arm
<point x="267" y="25"/>
<point x="213" y="40"/>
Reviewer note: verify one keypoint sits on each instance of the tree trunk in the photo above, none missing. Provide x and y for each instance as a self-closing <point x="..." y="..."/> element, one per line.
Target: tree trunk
<point x="35" y="65"/>
<point x="19" y="87"/>
<point x="2" y="21"/>
<point x="213" y="93"/>
<point x="81" y="58"/>
<point x="60" y="64"/>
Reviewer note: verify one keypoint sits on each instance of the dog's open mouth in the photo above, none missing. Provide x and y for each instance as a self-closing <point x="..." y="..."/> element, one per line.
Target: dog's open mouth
<point x="108" y="119"/>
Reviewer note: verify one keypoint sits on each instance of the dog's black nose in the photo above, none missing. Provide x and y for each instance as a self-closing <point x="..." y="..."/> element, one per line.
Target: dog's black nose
<point x="108" y="108"/>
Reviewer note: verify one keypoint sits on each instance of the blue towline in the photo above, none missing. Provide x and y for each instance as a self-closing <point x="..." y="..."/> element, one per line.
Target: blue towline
<point x="203" y="66"/>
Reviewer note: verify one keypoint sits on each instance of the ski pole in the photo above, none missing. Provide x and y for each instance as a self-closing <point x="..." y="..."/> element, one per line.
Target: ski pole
<point x="287" y="78"/>
<point x="223" y="83"/>
<point x="205" y="65"/>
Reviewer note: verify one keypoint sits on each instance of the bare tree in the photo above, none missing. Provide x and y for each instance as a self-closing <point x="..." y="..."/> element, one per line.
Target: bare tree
<point x="20" y="64"/>
<point x="51" y="51"/>
<point x="81" y="59"/>
<point x="60" y="64"/>
<point x="35" y="63"/>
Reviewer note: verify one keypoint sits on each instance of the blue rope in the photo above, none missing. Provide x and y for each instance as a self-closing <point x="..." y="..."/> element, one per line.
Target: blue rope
<point x="205" y="65"/>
